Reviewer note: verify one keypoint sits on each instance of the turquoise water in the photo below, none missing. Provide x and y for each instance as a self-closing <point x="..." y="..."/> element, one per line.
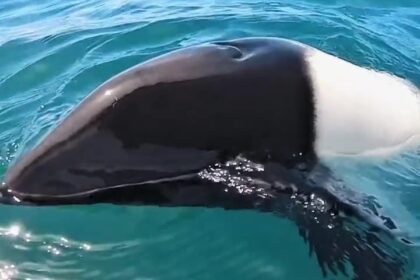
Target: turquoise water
<point x="53" y="53"/>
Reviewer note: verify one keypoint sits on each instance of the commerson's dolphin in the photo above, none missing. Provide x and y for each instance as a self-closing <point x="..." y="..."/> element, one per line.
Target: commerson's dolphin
<point x="240" y="124"/>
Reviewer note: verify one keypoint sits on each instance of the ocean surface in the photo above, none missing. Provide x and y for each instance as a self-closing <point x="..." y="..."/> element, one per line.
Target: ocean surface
<point x="53" y="53"/>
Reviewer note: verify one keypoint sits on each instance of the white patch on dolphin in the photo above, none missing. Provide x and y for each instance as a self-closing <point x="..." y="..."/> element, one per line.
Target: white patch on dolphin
<point x="361" y="112"/>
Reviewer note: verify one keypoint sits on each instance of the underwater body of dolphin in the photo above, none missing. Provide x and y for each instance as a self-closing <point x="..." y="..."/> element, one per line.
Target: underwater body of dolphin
<point x="241" y="124"/>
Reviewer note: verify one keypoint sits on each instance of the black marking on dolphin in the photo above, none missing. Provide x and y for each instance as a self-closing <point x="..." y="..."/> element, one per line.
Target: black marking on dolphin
<point x="167" y="132"/>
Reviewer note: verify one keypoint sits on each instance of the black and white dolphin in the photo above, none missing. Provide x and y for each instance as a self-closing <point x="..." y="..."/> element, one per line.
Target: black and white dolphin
<point x="240" y="124"/>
